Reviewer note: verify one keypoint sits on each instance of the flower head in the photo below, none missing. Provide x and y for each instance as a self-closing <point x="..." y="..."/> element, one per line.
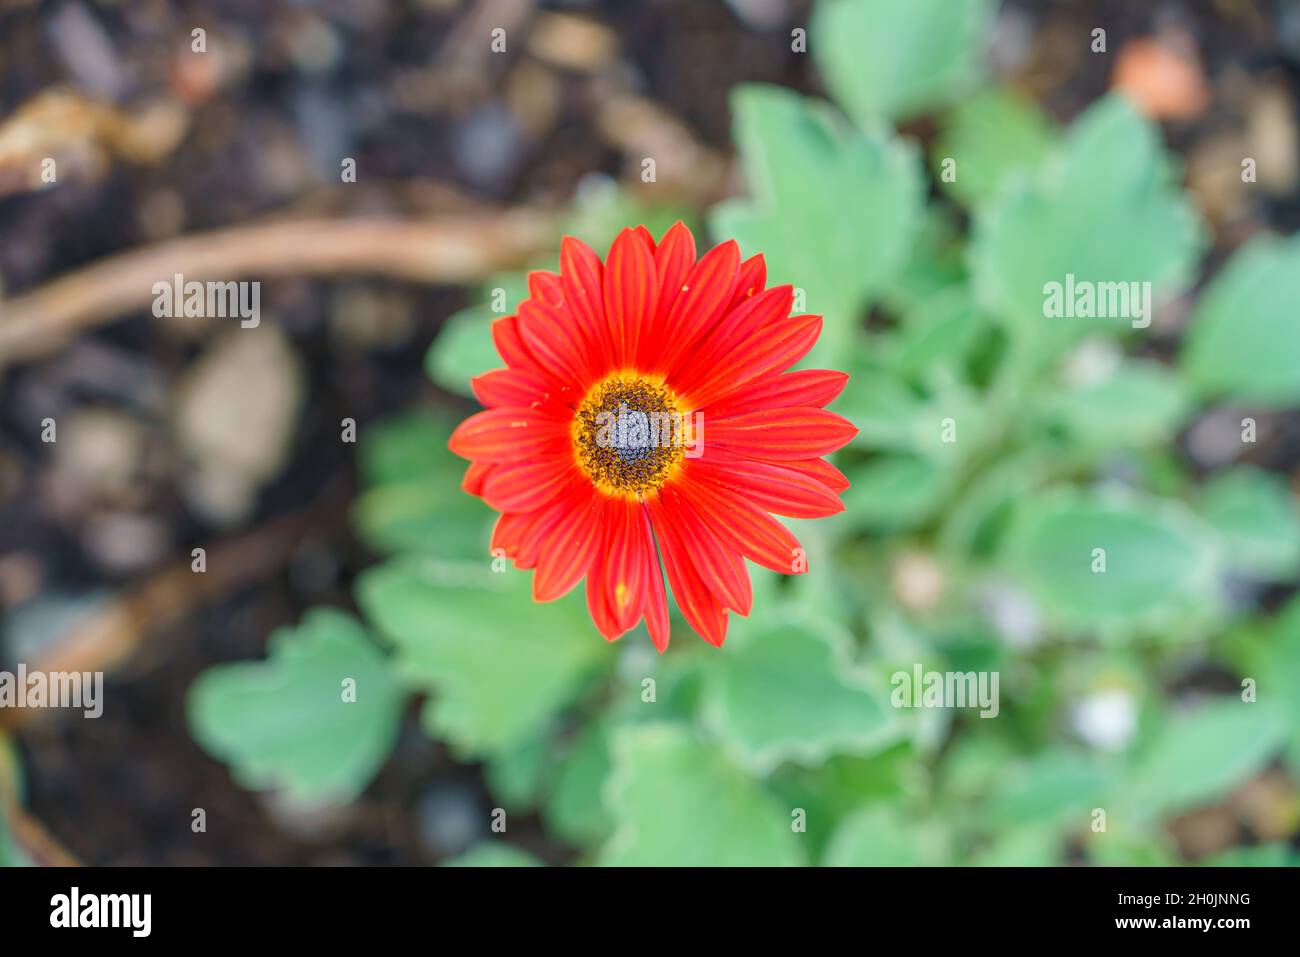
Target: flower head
<point x="645" y="422"/>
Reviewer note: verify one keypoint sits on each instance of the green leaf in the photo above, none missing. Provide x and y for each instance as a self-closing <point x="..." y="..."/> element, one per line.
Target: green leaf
<point x="834" y="212"/>
<point x="464" y="348"/>
<point x="883" y="407"/>
<point x="898" y="58"/>
<point x="678" y="802"/>
<point x="576" y="809"/>
<point x="1037" y="846"/>
<point x="1136" y="847"/>
<point x="1159" y="562"/>
<point x="937" y="337"/>
<point x="494" y="854"/>
<point x="432" y="518"/>
<point x="414" y="502"/>
<point x="937" y="262"/>
<point x="1274" y="666"/>
<point x="1256" y="514"/>
<point x="1241" y="342"/>
<point x="787" y="690"/>
<point x="1103" y="208"/>
<point x="1052" y="789"/>
<point x="1139" y="404"/>
<point x="500" y="666"/>
<point x="288" y="722"/>
<point x="1201" y="756"/>
<point x="410" y="446"/>
<point x="992" y="137"/>
<point x="1277" y="854"/>
<point x="518" y="776"/>
<point x="894" y="492"/>
<point x="883" y="836"/>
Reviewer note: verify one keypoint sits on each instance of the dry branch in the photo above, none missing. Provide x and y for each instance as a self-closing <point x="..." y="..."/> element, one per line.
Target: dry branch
<point x="114" y="632"/>
<point x="450" y="250"/>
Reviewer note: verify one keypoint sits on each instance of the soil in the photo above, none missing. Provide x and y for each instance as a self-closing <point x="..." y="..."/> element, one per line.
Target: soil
<point x="292" y="88"/>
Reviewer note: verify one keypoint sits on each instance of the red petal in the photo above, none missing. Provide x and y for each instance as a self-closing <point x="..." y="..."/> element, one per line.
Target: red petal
<point x="570" y="549"/>
<point x="728" y="339"/>
<point x="673" y="261"/>
<point x="775" y="348"/>
<point x="553" y="338"/>
<point x="615" y="593"/>
<point x="751" y="280"/>
<point x="720" y="567"/>
<point x="647" y="237"/>
<point x="510" y="533"/>
<point x="547" y="287"/>
<point x="705" y="294"/>
<point x="510" y="343"/>
<point x="699" y="606"/>
<point x="582" y="277"/>
<point x="630" y="294"/>
<point x="780" y="434"/>
<point x="523" y="535"/>
<point x="508" y="435"/>
<point x="511" y="387"/>
<point x="656" y="602"/>
<point x="475" y="476"/>
<point x="803" y="388"/>
<point x="745" y="527"/>
<point x="772" y="488"/>
<point x="822" y="471"/>
<point x="524" y="486"/>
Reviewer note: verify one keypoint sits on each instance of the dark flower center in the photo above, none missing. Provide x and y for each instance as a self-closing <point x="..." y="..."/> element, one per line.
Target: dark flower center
<point x="628" y="435"/>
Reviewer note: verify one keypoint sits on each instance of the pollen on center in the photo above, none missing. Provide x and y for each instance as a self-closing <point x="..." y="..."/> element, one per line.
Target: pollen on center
<point x="629" y="435"/>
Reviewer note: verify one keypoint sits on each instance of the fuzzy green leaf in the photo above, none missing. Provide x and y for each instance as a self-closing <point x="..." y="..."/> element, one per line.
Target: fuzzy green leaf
<point x="898" y="58"/>
<point x="499" y="665"/>
<point x="678" y="802"/>
<point x="1153" y="561"/>
<point x="991" y="137"/>
<point x="413" y="502"/>
<point x="576" y="809"/>
<point x="1139" y="404"/>
<point x="287" y="723"/>
<point x="833" y="211"/>
<point x="1243" y="342"/>
<point x="788" y="691"/>
<point x="1201" y="756"/>
<point x="494" y="854"/>
<point x="1255" y="512"/>
<point x="883" y="836"/>
<point x="1103" y="208"/>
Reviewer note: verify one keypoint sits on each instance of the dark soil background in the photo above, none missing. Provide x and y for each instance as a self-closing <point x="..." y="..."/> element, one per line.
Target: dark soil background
<point x="437" y="125"/>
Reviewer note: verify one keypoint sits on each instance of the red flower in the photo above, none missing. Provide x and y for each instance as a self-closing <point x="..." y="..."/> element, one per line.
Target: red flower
<point x="645" y="403"/>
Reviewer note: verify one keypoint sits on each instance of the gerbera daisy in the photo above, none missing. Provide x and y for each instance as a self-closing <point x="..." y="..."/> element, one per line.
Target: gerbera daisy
<point x="645" y="416"/>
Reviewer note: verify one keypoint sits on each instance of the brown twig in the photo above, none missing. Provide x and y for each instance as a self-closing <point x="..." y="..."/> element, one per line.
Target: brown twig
<point x="115" y="631"/>
<point x="36" y="842"/>
<point x="450" y="250"/>
<point x="41" y="847"/>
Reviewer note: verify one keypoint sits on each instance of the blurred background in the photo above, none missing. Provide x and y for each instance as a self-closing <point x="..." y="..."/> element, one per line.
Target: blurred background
<point x="178" y="434"/>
